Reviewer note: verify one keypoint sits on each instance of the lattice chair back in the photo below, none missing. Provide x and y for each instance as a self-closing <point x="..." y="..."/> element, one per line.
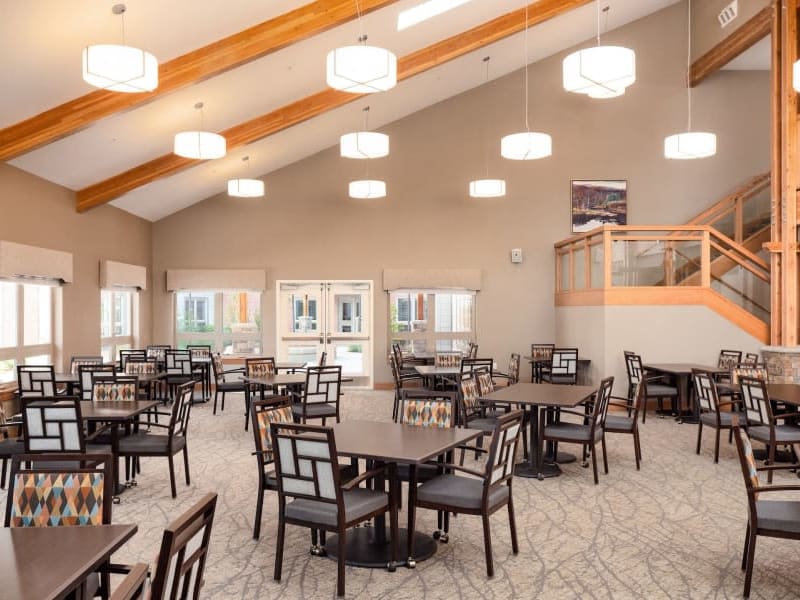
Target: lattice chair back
<point x="748" y="371"/>
<point x="502" y="453"/>
<point x="184" y="548"/>
<point x="56" y="492"/>
<point x="513" y="369"/>
<point x="542" y="352"/>
<point x="601" y="402"/>
<point x="199" y="351"/>
<point x="428" y="408"/>
<point x="121" y="388"/>
<point x="756" y="400"/>
<point x="728" y="359"/>
<point x="395" y="371"/>
<point x="53" y="425"/>
<point x="565" y="362"/>
<point x="747" y="461"/>
<point x="141" y="367"/>
<point x="633" y="366"/>
<point x="77" y="361"/>
<point x="706" y="391"/>
<point x="273" y="410"/>
<point x="323" y="384"/>
<point x="178" y="362"/>
<point x="472" y="365"/>
<point x="750" y="359"/>
<point x="259" y="367"/>
<point x="447" y="359"/>
<point x="87" y="373"/>
<point x="36" y="381"/>
<point x="181" y="408"/>
<point x="126" y="355"/>
<point x="485" y="381"/>
<point x="323" y="358"/>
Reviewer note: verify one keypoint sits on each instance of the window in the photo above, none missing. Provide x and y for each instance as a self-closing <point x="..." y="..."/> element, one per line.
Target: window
<point x="116" y="322"/>
<point x="26" y="326"/>
<point x="432" y="320"/>
<point x="228" y="321"/>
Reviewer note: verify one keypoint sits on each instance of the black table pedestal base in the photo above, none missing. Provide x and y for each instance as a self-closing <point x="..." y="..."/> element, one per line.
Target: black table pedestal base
<point x="546" y="471"/>
<point x="362" y="550"/>
<point x="562" y="458"/>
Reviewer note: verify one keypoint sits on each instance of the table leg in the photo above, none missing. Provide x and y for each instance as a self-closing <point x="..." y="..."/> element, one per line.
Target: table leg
<point x="246" y="406"/>
<point x="118" y="489"/>
<point x="684" y="399"/>
<point x="532" y="469"/>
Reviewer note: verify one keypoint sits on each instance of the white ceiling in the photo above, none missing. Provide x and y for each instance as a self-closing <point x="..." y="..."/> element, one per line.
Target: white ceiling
<point x="42" y="41"/>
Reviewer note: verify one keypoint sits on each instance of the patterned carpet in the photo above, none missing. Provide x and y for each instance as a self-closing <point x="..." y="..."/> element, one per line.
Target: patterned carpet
<point x="672" y="530"/>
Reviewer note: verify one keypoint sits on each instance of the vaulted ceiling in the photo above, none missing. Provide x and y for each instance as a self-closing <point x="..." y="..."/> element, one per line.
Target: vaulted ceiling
<point x="41" y="43"/>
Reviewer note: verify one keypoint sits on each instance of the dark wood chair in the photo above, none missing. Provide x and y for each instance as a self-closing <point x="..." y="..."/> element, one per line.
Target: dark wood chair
<point x="511" y="376"/>
<point x="563" y="368"/>
<point x="178" y="370"/>
<point x="146" y="444"/>
<point x="751" y="359"/>
<point x="770" y="518"/>
<point x="55" y="425"/>
<point x="86" y="374"/>
<point x="400" y="382"/>
<point x="310" y="492"/>
<point x="36" y="381"/>
<point x="77" y="361"/>
<point x="224" y="386"/>
<point x="149" y="368"/>
<point x="472" y="351"/>
<point x="727" y="360"/>
<point x="405" y="363"/>
<point x="320" y="396"/>
<point x="134" y="586"/>
<point x="9" y="446"/>
<point x="126" y="355"/>
<point x="486" y="492"/>
<point x="654" y="386"/>
<point x="711" y="409"/>
<point x="628" y="423"/>
<point x="473" y="412"/>
<point x="587" y="433"/>
<point x="541" y="357"/>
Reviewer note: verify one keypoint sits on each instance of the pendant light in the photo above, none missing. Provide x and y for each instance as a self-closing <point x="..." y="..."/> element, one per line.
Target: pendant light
<point x="487" y="188"/>
<point x="367" y="188"/>
<point x="527" y="145"/>
<point x="245" y="188"/>
<point x="361" y="69"/>
<point x="600" y="71"/>
<point x="691" y="144"/>
<point x="364" y="144"/>
<point x="120" y="68"/>
<point x="201" y="145"/>
<point x="796" y="76"/>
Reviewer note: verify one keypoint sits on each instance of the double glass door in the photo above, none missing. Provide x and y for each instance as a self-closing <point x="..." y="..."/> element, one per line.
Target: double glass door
<point x="327" y="316"/>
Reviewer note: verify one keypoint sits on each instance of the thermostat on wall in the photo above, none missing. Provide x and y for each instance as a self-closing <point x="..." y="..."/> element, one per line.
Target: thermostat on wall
<point x="516" y="255"/>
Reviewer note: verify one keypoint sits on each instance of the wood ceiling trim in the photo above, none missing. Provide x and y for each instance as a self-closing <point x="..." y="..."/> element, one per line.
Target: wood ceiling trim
<point x="754" y="30"/>
<point x="211" y="60"/>
<point x="321" y="102"/>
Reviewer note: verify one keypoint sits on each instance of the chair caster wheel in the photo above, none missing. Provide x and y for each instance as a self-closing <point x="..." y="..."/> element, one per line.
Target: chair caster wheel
<point x="116" y="500"/>
<point x="436" y="534"/>
<point x="411" y="563"/>
<point x="444" y="538"/>
<point x="314" y="551"/>
<point x="391" y="567"/>
<point x="585" y="464"/>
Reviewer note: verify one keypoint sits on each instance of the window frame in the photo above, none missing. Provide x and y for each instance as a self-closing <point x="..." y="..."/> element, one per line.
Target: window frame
<point x="20" y="352"/>
<point x="430" y="336"/>
<point x="119" y="342"/>
<point x="218" y="337"/>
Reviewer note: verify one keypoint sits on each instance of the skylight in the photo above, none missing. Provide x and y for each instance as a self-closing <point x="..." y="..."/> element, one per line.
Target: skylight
<point x="426" y="10"/>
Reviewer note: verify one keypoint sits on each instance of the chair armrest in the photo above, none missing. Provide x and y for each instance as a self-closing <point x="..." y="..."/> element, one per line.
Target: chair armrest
<point x="412" y="361"/>
<point x="133" y="584"/>
<point x="236" y="370"/>
<point x="465" y="447"/>
<point x="460" y="468"/>
<point x="363" y="476"/>
<point x="778" y="488"/>
<point x="778" y="467"/>
<point x="622" y="403"/>
<point x="571" y="412"/>
<point x="786" y="415"/>
<point x="731" y="403"/>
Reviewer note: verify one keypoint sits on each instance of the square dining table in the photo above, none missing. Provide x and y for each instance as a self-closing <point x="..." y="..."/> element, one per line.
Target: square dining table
<point x="387" y="442"/>
<point x="682" y="372"/>
<point x="292" y="380"/>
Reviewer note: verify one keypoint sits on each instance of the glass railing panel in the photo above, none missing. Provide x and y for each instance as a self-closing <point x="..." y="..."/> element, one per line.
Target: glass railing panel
<point x="579" y="260"/>
<point x="686" y="262"/>
<point x="597" y="266"/>
<point x="756" y="212"/>
<point x="654" y="263"/>
<point x="564" y="267"/>
<point x="746" y="290"/>
<point x="725" y="224"/>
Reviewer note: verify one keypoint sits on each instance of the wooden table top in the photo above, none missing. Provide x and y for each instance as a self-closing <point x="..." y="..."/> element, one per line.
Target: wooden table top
<point x="390" y="442"/>
<point x="277" y="379"/>
<point x="681" y="368"/>
<point x="114" y="410"/>
<point x="542" y="394"/>
<point x="786" y="392"/>
<point x="43" y="563"/>
<point x="433" y="370"/>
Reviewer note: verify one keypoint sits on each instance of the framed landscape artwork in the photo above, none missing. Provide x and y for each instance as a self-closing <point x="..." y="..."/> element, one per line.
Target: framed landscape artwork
<point x="598" y="202"/>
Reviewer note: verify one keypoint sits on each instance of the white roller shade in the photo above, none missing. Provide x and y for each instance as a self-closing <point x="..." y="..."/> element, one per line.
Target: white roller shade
<point x="424" y="279"/>
<point x="117" y="274"/>
<point x="20" y="260"/>
<point x="216" y="279"/>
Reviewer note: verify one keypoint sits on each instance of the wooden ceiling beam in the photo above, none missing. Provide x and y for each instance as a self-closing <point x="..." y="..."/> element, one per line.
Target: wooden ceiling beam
<point x="211" y="60"/>
<point x="754" y="30"/>
<point x="316" y="104"/>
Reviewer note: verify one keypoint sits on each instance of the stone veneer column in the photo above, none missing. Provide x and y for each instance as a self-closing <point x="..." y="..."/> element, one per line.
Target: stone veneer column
<point x="783" y="363"/>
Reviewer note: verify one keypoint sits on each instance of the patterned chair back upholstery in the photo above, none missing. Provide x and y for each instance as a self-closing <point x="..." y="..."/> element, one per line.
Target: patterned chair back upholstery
<point x="513" y="369"/>
<point x="86" y="373"/>
<point x="748" y="463"/>
<point x="36" y="381"/>
<point x="178" y="362"/>
<point x="126" y="355"/>
<point x="199" y="351"/>
<point x="53" y="425"/>
<point x="323" y="384"/>
<point x="469" y="366"/>
<point x="121" y="388"/>
<point x="747" y="371"/>
<point x="706" y="391"/>
<point x="447" y="359"/>
<point x="77" y="361"/>
<point x="469" y="395"/>
<point x="427" y="408"/>
<point x="55" y="492"/>
<point x="157" y="351"/>
<point x="472" y="352"/>
<point x="750" y="359"/>
<point x="141" y="367"/>
<point x="728" y="359"/>
<point x="219" y="369"/>
<point x="756" y="400"/>
<point x="259" y="367"/>
<point x="500" y="464"/>
<point x="542" y="352"/>
<point x="273" y="410"/>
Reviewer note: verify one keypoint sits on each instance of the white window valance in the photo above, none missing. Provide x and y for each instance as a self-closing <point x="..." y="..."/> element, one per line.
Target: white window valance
<point x="116" y="274"/>
<point x="22" y="261"/>
<point x="415" y="279"/>
<point x="216" y="279"/>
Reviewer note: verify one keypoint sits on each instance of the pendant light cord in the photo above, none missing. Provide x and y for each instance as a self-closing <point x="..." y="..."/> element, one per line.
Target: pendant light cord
<point x="527" y="126"/>
<point x="361" y="37"/>
<point x="486" y="126"/>
<point x="597" y="16"/>
<point x="688" y="73"/>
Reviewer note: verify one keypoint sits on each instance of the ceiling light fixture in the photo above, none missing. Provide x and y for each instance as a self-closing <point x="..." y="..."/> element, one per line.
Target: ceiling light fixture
<point x="427" y="10"/>
<point x="691" y="144"/>
<point x="600" y="71"/>
<point x="527" y="145"/>
<point x="487" y="188"/>
<point x="796" y="76"/>
<point x="367" y="188"/>
<point x="364" y="144"/>
<point x="201" y="145"/>
<point x="361" y="69"/>
<point x="245" y="188"/>
<point x="120" y="68"/>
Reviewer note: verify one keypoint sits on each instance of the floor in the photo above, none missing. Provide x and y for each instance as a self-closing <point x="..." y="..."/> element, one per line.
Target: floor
<point x="672" y="530"/>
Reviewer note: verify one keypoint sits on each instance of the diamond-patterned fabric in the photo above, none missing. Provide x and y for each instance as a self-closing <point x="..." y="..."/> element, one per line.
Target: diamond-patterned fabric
<point x="750" y="460"/>
<point x="513" y="369"/>
<point x="728" y="361"/>
<point x="541" y="353"/>
<point x="427" y="413"/>
<point x="140" y="368"/>
<point x="447" y="359"/>
<point x="265" y="417"/>
<point x="485" y="383"/>
<point x="469" y="394"/>
<point x="83" y="361"/>
<point x="57" y="499"/>
<point x="754" y="372"/>
<point x="112" y="390"/>
<point x="260" y="369"/>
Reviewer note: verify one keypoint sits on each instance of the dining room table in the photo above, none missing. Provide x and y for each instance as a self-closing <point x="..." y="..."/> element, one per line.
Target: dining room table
<point x="51" y="563"/>
<point x="682" y="373"/>
<point x="537" y="368"/>
<point x="430" y="373"/>
<point x="535" y="398"/>
<point x="393" y="443"/>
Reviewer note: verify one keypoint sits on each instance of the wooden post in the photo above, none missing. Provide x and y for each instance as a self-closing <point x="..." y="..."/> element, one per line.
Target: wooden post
<point x="705" y="260"/>
<point x="607" y="259"/>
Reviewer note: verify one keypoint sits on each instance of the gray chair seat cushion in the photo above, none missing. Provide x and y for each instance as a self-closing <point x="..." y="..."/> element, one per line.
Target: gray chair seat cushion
<point x="657" y="390"/>
<point x="11" y="447"/>
<point x="98" y="448"/>
<point x="725" y="419"/>
<point x="619" y="423"/>
<point x="357" y="503"/>
<point x="786" y="434"/>
<point x="459" y="492"/>
<point x="484" y="424"/>
<point x="572" y="432"/>
<point x="231" y="386"/>
<point x="148" y="443"/>
<point x="779" y="515"/>
<point x="318" y="409"/>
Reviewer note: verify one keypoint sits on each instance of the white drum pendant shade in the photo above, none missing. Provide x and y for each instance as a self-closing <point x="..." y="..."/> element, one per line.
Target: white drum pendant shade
<point x="692" y="144"/>
<point x="600" y="71"/>
<point x="528" y="145"/>
<point x="120" y="68"/>
<point x="361" y="69"/>
<point x="487" y="188"/>
<point x="245" y="188"/>
<point x="367" y="188"/>
<point x="796" y="76"/>
<point x="202" y="145"/>
<point x="364" y="144"/>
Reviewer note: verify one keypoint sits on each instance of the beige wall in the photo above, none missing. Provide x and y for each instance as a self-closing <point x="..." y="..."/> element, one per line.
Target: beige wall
<point x="306" y="227"/>
<point x="706" y="30"/>
<point x="40" y="213"/>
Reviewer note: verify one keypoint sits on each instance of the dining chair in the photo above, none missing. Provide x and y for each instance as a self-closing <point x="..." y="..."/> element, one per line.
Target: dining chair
<point x="320" y="396"/>
<point x="473" y="412"/>
<point x="469" y="367"/>
<point x="587" y="433"/>
<point x="222" y="385"/>
<point x="311" y="494"/>
<point x="126" y="355"/>
<point x="763" y="423"/>
<point x="541" y="357"/>
<point x="122" y="388"/>
<point x="406" y="362"/>
<point x="770" y="518"/>
<point x="729" y="359"/>
<point x="9" y="446"/>
<point x="77" y="361"/>
<point x="36" y="381"/>
<point x="472" y="351"/>
<point x="563" y="368"/>
<point x="751" y="359"/>
<point x="512" y="374"/>
<point x="157" y="352"/>
<point x="134" y="586"/>
<point x="711" y="412"/>
<point x="56" y="425"/>
<point x="178" y="370"/>
<point x="628" y="423"/>
<point x="484" y="492"/>
<point x="654" y="386"/>
<point x="447" y="359"/>
<point x="400" y="381"/>
<point x="86" y="373"/>
<point x="146" y="444"/>
<point x="149" y="368"/>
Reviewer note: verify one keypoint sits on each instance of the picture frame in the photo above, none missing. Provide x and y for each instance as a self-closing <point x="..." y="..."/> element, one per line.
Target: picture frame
<point x="598" y="202"/>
